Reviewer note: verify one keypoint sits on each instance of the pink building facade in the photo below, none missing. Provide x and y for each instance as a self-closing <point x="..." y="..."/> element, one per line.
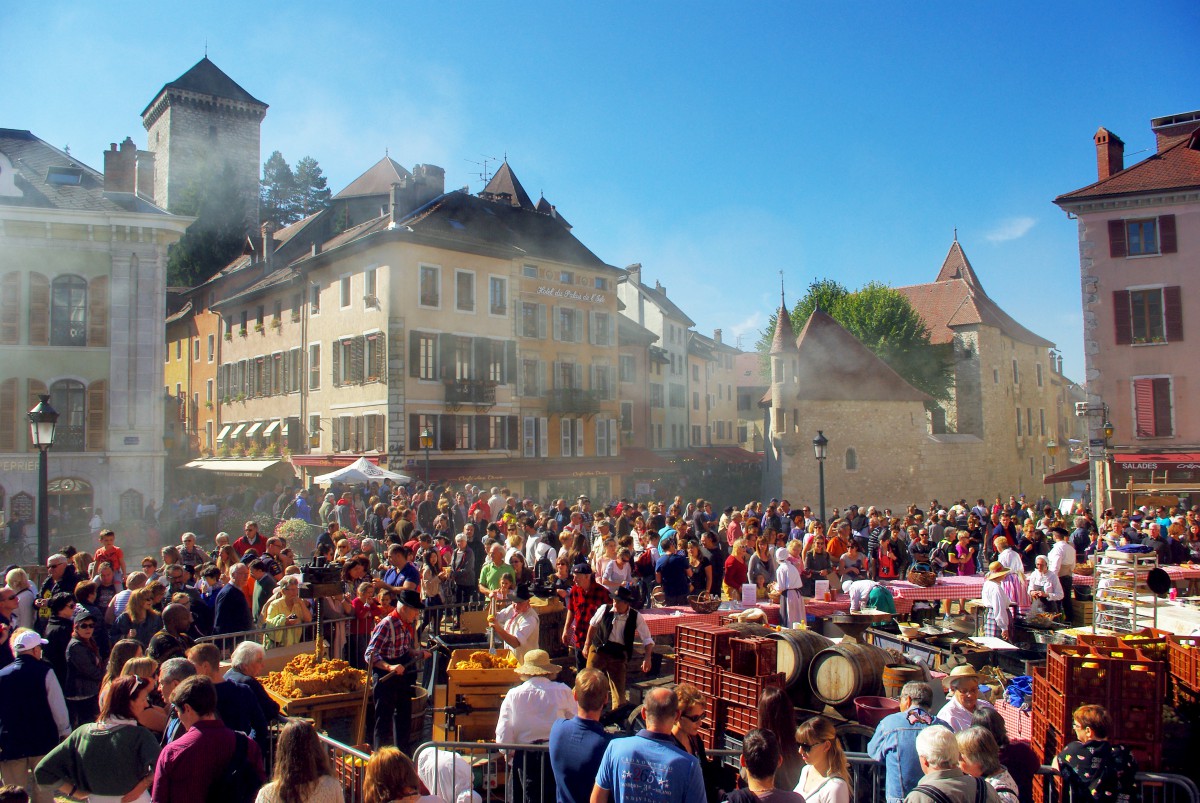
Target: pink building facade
<point x="1139" y="254"/>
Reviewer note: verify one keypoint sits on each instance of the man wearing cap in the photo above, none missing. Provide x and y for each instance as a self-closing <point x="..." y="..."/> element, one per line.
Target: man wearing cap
<point x="517" y="625"/>
<point x="964" y="698"/>
<point x="393" y="654"/>
<point x="585" y="598"/>
<point x="526" y="717"/>
<point x="33" y="715"/>
<point x="62" y="579"/>
<point x="612" y="631"/>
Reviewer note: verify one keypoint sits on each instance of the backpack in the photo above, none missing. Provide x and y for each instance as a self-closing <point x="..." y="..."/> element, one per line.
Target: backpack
<point x="544" y="568"/>
<point x="239" y="782"/>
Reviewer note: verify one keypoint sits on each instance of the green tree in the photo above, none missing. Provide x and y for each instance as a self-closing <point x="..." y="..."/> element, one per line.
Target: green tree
<point x="312" y="194"/>
<point x="278" y="192"/>
<point x="218" y="234"/>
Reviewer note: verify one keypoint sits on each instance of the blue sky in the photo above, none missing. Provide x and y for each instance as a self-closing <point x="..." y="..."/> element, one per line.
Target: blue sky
<point x="715" y="143"/>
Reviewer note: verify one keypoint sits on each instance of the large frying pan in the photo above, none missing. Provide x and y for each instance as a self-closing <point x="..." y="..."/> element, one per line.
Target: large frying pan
<point x="1158" y="581"/>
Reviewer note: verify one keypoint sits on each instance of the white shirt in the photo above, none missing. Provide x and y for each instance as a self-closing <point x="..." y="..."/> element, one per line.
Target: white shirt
<point x="1011" y="561"/>
<point x="832" y="790"/>
<point x="957" y="717"/>
<point x="859" y="591"/>
<point x="994" y="597"/>
<point x="617" y="634"/>
<point x="1048" y="583"/>
<point x="530" y="709"/>
<point x="522" y="625"/>
<point x="1062" y="559"/>
<point x="448" y="775"/>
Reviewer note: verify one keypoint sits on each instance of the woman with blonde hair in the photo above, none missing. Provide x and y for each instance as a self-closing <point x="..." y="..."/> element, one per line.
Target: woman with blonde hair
<point x="227" y="558"/>
<point x="287" y="610"/>
<point x="737" y="573"/>
<point x="391" y="777"/>
<point x="122" y="653"/>
<point x="139" y="620"/>
<point x="17" y="581"/>
<point x="979" y="757"/>
<point x="826" y="775"/>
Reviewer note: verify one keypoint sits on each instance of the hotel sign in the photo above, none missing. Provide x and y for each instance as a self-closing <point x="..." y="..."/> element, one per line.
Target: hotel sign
<point x="573" y="295"/>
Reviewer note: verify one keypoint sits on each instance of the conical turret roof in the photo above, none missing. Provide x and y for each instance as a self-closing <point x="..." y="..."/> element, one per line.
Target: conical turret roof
<point x="785" y="336"/>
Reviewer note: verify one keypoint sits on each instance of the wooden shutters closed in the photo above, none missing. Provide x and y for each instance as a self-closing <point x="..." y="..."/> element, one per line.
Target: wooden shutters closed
<point x="39" y="310"/>
<point x="10" y="309"/>
<point x="1122" y="318"/>
<point x="8" y="415"/>
<point x="1116" y="239"/>
<point x="97" y="326"/>
<point x="1167" y="241"/>
<point x="1173" y="313"/>
<point x="97" y="416"/>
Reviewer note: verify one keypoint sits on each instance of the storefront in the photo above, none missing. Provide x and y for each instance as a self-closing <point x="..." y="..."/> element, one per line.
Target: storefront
<point x="1161" y="479"/>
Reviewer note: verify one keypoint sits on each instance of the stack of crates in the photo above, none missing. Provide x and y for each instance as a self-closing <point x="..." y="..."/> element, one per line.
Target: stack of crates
<point x="1122" y="679"/>
<point x="701" y="652"/>
<point x="1184" y="655"/>
<point x="752" y="666"/>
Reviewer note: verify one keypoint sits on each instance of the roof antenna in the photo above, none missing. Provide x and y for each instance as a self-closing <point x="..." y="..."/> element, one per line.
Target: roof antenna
<point x="956" y="234"/>
<point x="385" y="152"/>
<point x="206" y="47"/>
<point x="484" y="175"/>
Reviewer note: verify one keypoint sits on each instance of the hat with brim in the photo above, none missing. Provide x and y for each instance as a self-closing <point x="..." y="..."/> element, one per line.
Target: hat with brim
<point x="524" y="593"/>
<point x="625" y="594"/>
<point x="537" y="662"/>
<point x="961" y="671"/>
<point x="997" y="571"/>
<point x="581" y="568"/>
<point x="27" y="641"/>
<point x="1061" y="531"/>
<point x="411" y="599"/>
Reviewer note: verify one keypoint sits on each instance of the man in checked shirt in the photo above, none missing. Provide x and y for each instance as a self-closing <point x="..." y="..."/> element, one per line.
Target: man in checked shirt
<point x="393" y="654"/>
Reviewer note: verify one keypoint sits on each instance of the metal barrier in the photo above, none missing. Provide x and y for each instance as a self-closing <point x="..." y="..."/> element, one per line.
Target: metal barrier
<point x="349" y="766"/>
<point x="272" y="636"/>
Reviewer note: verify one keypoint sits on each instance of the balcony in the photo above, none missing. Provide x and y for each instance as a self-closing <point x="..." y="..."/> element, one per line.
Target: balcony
<point x="471" y="391"/>
<point x="68" y="438"/>
<point x="573" y="401"/>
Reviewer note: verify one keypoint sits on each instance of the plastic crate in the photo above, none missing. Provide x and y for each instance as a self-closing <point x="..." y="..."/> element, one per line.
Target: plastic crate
<point x="1093" y="640"/>
<point x="1147" y="754"/>
<point x="1078" y="670"/>
<point x="731" y="742"/>
<point x="1151" y="642"/>
<point x="738" y="719"/>
<point x="1137" y="721"/>
<point x="702" y="676"/>
<point x="709" y="643"/>
<point x="1184" y="653"/>
<point x="1134" y="676"/>
<point x="746" y="690"/>
<point x="752" y="655"/>
<point x="1053" y="710"/>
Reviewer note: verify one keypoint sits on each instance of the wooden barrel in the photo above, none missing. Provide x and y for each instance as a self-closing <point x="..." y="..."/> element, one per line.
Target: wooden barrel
<point x="795" y="650"/>
<point x="842" y="672"/>
<point x="419" y="704"/>
<point x="894" y="678"/>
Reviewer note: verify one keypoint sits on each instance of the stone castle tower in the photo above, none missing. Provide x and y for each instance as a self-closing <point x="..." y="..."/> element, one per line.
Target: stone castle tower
<point x="196" y="125"/>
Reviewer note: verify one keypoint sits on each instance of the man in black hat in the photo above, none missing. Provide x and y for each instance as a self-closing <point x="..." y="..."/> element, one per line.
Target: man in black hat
<point x="612" y="631"/>
<point x="517" y="625"/>
<point x="393" y="654"/>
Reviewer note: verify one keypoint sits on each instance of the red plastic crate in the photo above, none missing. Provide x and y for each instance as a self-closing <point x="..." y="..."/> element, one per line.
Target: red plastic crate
<point x="746" y="690"/>
<point x="738" y="719"/>
<point x="1078" y="671"/>
<point x="752" y="655"/>
<point x="1133" y="675"/>
<point x="1092" y="640"/>
<point x="702" y="676"/>
<point x="1151" y="642"/>
<point x="1147" y="754"/>
<point x="708" y="643"/>
<point x="1055" y="709"/>
<point x="1185" y="659"/>
<point x="1137" y="721"/>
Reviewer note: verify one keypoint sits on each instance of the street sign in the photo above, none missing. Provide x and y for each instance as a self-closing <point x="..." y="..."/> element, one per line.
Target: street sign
<point x="1096" y="442"/>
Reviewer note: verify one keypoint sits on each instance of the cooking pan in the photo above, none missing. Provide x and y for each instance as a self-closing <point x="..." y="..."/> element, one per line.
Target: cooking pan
<point x="1158" y="581"/>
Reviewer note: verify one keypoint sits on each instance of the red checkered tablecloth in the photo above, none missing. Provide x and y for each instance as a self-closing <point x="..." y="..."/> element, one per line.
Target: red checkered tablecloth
<point x="662" y="621"/>
<point x="1178" y="574"/>
<point x="948" y="587"/>
<point x="1019" y="723"/>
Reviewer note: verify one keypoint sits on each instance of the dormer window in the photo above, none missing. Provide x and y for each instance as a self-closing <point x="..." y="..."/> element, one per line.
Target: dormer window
<point x="65" y="176"/>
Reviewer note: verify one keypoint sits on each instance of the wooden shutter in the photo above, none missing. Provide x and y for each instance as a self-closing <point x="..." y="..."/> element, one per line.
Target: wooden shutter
<point x="544" y="436"/>
<point x="414" y="432"/>
<point x="483" y="432"/>
<point x="39" y="310"/>
<point x="447" y="432"/>
<point x="1143" y="404"/>
<point x="1162" y="407"/>
<point x="1166" y="234"/>
<point x="8" y="415"/>
<point x="357" y="374"/>
<point x="335" y="433"/>
<point x="510" y="361"/>
<point x="97" y="416"/>
<point x="356" y="429"/>
<point x="541" y="321"/>
<point x="514" y="433"/>
<point x="97" y="328"/>
<point x="445" y="366"/>
<point x="414" y="353"/>
<point x="556" y="329"/>
<point x="1122" y="318"/>
<point x="381" y="433"/>
<point x="380" y="367"/>
<point x="612" y="437"/>
<point x="285" y="374"/>
<point x="1173" y="312"/>
<point x="10" y="309"/>
<point x="336" y="362"/>
<point x="1116" y="239"/>
<point x="579" y="437"/>
<point x="601" y="437"/>
<point x="37" y="388"/>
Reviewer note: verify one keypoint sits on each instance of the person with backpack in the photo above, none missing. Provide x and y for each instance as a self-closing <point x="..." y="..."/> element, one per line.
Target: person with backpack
<point x="943" y="781"/>
<point x="210" y="763"/>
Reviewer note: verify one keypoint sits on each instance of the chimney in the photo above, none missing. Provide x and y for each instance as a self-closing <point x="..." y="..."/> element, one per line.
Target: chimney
<point x="658" y="286"/>
<point x="717" y="335"/>
<point x="119" y="167"/>
<point x="396" y="202"/>
<point x="144" y="173"/>
<point x="268" y="246"/>
<point x="1169" y="130"/>
<point x="430" y="182"/>
<point x="1110" y="153"/>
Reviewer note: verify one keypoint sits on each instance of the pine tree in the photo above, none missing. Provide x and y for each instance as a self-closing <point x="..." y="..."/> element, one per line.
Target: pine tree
<point x="278" y="193"/>
<point x="312" y="194"/>
<point x="218" y="234"/>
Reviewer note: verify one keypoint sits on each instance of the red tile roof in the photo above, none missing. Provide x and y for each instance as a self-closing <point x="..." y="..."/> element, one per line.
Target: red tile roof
<point x="1175" y="167"/>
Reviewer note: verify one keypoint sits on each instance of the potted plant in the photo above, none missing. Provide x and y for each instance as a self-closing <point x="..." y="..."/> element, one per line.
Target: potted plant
<point x="258" y="327"/>
<point x="276" y="323"/>
<point x="240" y="397"/>
<point x="208" y="404"/>
<point x="254" y="450"/>
<point x="223" y="450"/>
<point x="229" y="335"/>
<point x="370" y="300"/>
<point x="242" y="332"/>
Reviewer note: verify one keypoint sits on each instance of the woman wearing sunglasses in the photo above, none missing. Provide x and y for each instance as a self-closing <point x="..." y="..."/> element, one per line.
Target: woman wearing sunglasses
<point x="826" y="778"/>
<point x="85" y="669"/>
<point x="687" y="732"/>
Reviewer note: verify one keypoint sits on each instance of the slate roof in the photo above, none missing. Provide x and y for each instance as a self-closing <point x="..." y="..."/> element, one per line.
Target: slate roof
<point x="711" y="343"/>
<point x="834" y="366"/>
<point x="659" y="297"/>
<point x="957" y="299"/>
<point x="277" y="277"/>
<point x="505" y="183"/>
<point x="206" y="78"/>
<point x="32" y="158"/>
<point x="547" y="208"/>
<point x="630" y="331"/>
<point x="1175" y="167"/>
<point x="378" y="179"/>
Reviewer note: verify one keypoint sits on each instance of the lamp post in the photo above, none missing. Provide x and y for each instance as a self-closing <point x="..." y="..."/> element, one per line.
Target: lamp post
<point x="42" y="421"/>
<point x="426" y="444"/>
<point x="821" y="450"/>
<point x="1052" y="449"/>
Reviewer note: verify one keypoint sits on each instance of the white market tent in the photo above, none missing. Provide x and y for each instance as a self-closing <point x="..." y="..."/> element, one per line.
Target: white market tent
<point x="360" y="471"/>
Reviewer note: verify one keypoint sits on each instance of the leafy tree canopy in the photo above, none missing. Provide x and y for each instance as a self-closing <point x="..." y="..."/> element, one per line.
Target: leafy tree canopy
<point x="287" y="195"/>
<point x="884" y="321"/>
<point x="218" y="234"/>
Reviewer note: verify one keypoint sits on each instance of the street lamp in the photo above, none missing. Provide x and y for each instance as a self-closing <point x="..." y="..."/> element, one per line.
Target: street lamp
<point x="426" y="444"/>
<point x="1052" y="449"/>
<point x="42" y="422"/>
<point x="1108" y="431"/>
<point x="821" y="450"/>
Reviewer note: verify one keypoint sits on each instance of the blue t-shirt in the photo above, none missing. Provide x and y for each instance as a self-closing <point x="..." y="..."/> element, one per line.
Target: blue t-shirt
<point x="398" y="577"/>
<point x="576" y="748"/>
<point x="673" y="568"/>
<point x="650" y="768"/>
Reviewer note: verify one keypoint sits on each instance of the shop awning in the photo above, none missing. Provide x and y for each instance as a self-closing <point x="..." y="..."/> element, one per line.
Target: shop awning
<point x="1080" y="472"/>
<point x="233" y="467"/>
<point x="271" y="427"/>
<point x="1158" y="462"/>
<point x="321" y="463"/>
<point x="253" y="428"/>
<point x="223" y="433"/>
<point x="237" y="431"/>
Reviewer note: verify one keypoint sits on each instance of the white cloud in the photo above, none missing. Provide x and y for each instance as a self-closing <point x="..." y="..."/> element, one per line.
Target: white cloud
<point x="1013" y="228"/>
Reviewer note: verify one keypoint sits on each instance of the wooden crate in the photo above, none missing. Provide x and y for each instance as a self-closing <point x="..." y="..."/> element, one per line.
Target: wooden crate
<point x="483" y="690"/>
<point x="322" y="707"/>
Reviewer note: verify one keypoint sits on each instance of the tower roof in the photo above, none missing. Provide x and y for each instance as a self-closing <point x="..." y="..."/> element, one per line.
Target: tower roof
<point x="785" y="335"/>
<point x="378" y="179"/>
<point x="957" y="266"/>
<point x="505" y="183"/>
<point x="834" y="365"/>
<point x="206" y="78"/>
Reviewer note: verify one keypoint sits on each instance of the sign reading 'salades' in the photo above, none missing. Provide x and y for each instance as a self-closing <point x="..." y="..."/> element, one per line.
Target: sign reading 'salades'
<point x="573" y="295"/>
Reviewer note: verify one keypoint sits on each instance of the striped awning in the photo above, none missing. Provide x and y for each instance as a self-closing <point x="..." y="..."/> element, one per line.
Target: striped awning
<point x="271" y="427"/>
<point x="223" y="433"/>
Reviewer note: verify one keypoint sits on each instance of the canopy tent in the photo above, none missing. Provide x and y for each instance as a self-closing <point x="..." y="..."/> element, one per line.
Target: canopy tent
<point x="361" y="470"/>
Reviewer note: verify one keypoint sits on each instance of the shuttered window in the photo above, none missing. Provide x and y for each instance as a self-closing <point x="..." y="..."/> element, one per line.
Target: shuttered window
<point x="1148" y="316"/>
<point x="1152" y="407"/>
<point x="8" y="415"/>
<point x="1142" y="236"/>
<point x="39" y="310"/>
<point x="97" y="314"/>
<point x="10" y="309"/>
<point x="68" y="311"/>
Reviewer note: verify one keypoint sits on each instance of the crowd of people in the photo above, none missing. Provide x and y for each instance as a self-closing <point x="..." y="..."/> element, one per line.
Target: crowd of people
<point x="121" y="658"/>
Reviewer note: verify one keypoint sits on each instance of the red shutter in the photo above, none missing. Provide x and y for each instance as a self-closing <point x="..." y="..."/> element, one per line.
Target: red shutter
<point x="10" y="309"/>
<point x="1173" y="312"/>
<point x="1122" y="317"/>
<point x="39" y="310"/>
<point x="37" y="389"/>
<point x="1143" y="403"/>
<point x="8" y="415"/>
<point x="1166" y="234"/>
<point x="1162" y="407"/>
<point x="97" y="416"/>
<point x="97" y="329"/>
<point x="1116" y="239"/>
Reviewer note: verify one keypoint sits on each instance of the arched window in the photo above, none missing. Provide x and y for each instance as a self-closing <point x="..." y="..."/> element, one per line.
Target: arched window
<point x="68" y="311"/>
<point x="851" y="460"/>
<point x="69" y="398"/>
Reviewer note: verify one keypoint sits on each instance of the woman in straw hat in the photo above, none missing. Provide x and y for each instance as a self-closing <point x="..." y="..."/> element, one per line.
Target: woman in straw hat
<point x="999" y="614"/>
